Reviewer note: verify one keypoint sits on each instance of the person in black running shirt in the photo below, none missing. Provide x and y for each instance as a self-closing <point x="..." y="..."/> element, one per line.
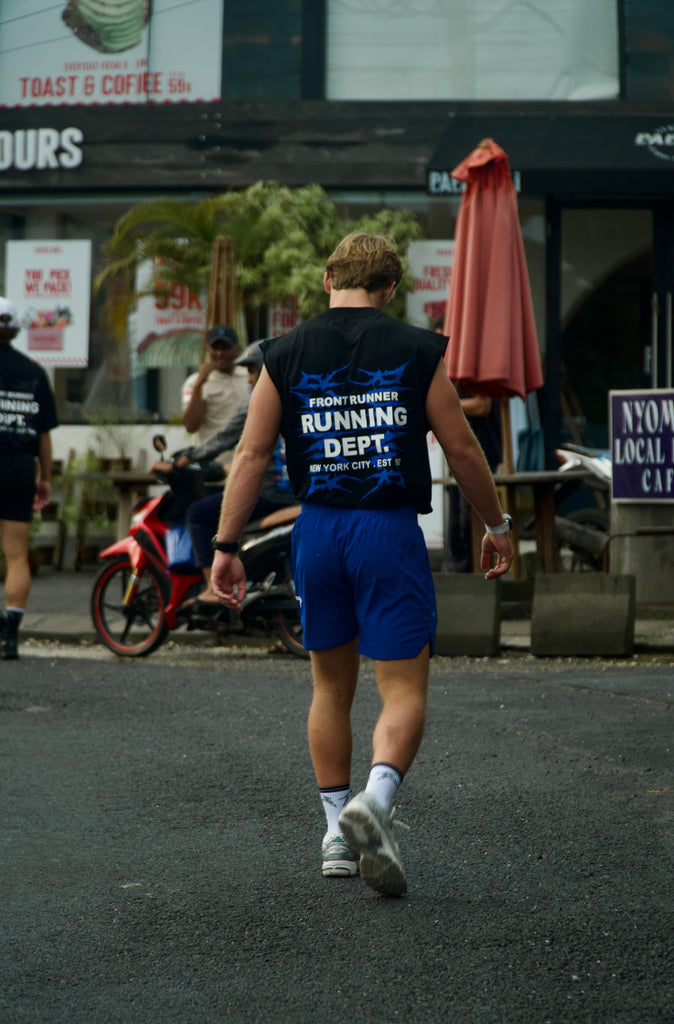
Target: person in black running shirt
<point x="354" y="393"/>
<point x="27" y="414"/>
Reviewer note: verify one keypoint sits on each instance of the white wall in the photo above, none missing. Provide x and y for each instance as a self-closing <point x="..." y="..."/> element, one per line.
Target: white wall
<point x="133" y="439"/>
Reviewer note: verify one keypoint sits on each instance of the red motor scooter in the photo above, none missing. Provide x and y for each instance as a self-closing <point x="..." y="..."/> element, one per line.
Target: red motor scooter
<point x="138" y="598"/>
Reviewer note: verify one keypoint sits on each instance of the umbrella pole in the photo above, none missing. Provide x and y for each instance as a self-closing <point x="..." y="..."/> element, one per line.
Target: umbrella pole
<point x="507" y="437"/>
<point x="510" y="493"/>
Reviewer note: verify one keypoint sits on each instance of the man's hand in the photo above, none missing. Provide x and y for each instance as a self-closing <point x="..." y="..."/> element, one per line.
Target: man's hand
<point x="193" y="411"/>
<point x="205" y="370"/>
<point x="42" y="495"/>
<point x="161" y="467"/>
<point x="228" y="579"/>
<point x="500" y="545"/>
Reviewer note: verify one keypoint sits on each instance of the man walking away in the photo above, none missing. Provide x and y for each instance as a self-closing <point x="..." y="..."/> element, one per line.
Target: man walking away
<point x="354" y="393"/>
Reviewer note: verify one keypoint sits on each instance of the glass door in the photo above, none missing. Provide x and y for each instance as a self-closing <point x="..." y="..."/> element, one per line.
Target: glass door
<point x="613" y="323"/>
<point x="661" y="369"/>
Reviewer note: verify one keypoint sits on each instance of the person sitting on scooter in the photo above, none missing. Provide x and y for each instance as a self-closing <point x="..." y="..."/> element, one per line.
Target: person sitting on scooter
<point x="202" y="515"/>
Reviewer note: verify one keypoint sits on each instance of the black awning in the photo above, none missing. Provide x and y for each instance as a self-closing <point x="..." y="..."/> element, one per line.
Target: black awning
<point x="600" y="154"/>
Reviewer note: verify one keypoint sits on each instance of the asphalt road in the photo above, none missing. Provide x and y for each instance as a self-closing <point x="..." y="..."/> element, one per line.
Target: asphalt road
<point x="161" y="847"/>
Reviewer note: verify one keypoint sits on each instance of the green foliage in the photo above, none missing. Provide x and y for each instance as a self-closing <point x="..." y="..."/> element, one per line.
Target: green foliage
<point x="282" y="238"/>
<point x="91" y="505"/>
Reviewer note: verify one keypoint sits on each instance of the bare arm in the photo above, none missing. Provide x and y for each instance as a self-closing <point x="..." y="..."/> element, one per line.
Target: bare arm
<point x="43" y="485"/>
<point x="252" y="457"/>
<point x="193" y="413"/>
<point x="468" y="465"/>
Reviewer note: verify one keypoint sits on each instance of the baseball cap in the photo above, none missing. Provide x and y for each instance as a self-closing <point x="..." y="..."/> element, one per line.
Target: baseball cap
<point x="8" y="308"/>
<point x="251" y="357"/>
<point x="222" y="333"/>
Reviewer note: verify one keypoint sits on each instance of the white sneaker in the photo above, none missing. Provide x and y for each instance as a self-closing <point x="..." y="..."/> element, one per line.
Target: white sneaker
<point x="339" y="859"/>
<point x="369" y="830"/>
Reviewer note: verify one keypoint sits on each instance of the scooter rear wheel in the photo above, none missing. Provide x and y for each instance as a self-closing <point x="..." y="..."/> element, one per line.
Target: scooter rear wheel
<point x="135" y="629"/>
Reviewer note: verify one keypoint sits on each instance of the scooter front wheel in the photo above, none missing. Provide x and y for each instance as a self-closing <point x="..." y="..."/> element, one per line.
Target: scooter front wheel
<point x="289" y="631"/>
<point x="130" y="621"/>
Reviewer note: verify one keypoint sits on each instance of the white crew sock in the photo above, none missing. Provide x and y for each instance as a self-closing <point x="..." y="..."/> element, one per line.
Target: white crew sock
<point x="383" y="782"/>
<point x="334" y="801"/>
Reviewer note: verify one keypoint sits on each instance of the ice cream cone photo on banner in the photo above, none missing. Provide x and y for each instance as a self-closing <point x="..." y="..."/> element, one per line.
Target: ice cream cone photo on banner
<point x="489" y="319"/>
<point x="110" y="26"/>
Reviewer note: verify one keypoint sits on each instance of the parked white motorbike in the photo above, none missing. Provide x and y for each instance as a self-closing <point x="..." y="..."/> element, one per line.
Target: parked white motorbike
<point x="585" y="531"/>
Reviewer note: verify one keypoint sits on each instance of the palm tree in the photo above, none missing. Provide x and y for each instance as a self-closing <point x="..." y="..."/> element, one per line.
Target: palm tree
<point x="282" y="237"/>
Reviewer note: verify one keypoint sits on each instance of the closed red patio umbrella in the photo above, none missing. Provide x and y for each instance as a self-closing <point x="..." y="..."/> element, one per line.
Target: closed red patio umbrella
<point x="489" y="319"/>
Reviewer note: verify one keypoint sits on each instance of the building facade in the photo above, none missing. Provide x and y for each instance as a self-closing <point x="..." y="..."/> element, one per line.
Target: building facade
<point x="377" y="101"/>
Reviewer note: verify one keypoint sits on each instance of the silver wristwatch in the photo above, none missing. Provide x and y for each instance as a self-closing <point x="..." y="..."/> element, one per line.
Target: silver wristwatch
<point x="504" y="527"/>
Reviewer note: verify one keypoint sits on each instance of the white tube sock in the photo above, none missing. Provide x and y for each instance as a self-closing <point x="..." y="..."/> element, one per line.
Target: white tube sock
<point x="383" y="782"/>
<point x="334" y="801"/>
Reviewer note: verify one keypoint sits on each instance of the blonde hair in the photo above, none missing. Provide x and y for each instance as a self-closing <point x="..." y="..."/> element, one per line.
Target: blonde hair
<point x="364" y="261"/>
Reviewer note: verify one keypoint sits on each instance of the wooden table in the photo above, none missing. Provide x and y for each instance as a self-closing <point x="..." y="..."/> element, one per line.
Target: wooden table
<point x="543" y="485"/>
<point x="131" y="485"/>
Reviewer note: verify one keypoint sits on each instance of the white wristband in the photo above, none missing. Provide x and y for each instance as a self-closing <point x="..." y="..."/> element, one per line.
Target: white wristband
<point x="504" y="527"/>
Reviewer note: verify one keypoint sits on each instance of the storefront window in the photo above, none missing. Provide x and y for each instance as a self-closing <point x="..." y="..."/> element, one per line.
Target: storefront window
<point x="111" y="384"/>
<point x="114" y="381"/>
<point x="606" y="315"/>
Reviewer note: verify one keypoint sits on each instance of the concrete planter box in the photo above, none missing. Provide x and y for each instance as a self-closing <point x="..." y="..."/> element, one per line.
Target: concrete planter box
<point x="469" y="618"/>
<point x="583" y="614"/>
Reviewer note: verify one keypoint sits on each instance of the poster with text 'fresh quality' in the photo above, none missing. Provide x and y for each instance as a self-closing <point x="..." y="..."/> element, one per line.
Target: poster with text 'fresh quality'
<point x="430" y="262"/>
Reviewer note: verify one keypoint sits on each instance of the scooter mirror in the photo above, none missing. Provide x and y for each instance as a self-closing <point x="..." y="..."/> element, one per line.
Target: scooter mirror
<point x="159" y="443"/>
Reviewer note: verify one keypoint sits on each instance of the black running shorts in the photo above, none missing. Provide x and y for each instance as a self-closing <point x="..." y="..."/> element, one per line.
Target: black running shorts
<point x="17" y="487"/>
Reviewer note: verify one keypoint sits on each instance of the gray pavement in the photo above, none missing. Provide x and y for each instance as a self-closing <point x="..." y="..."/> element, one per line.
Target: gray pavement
<point x="58" y="609"/>
<point x="161" y="846"/>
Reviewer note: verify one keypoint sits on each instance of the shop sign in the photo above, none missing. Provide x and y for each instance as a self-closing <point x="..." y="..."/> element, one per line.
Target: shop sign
<point x="40" y="149"/>
<point x="441" y="183"/>
<point x="642" y="445"/>
<point x="110" y="51"/>
<point x="659" y="142"/>
<point x="49" y="283"/>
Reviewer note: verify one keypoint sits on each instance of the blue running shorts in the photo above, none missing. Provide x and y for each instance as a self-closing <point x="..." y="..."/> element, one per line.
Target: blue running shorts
<point x="366" y="574"/>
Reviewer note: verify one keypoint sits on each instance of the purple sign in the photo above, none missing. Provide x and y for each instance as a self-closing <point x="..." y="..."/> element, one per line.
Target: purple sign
<point x="642" y="445"/>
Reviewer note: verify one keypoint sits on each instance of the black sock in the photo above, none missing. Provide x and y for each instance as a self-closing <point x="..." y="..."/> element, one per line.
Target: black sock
<point x="13" y="621"/>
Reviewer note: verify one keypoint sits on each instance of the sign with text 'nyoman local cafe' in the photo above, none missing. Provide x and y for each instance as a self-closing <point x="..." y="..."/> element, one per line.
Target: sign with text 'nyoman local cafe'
<point x="642" y="445"/>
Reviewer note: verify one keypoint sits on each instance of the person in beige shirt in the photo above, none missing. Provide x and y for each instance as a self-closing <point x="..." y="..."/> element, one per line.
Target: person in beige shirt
<point x="214" y="393"/>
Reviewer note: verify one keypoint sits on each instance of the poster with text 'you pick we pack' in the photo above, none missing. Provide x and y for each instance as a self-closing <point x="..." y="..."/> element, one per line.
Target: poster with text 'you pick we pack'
<point x="49" y="283"/>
